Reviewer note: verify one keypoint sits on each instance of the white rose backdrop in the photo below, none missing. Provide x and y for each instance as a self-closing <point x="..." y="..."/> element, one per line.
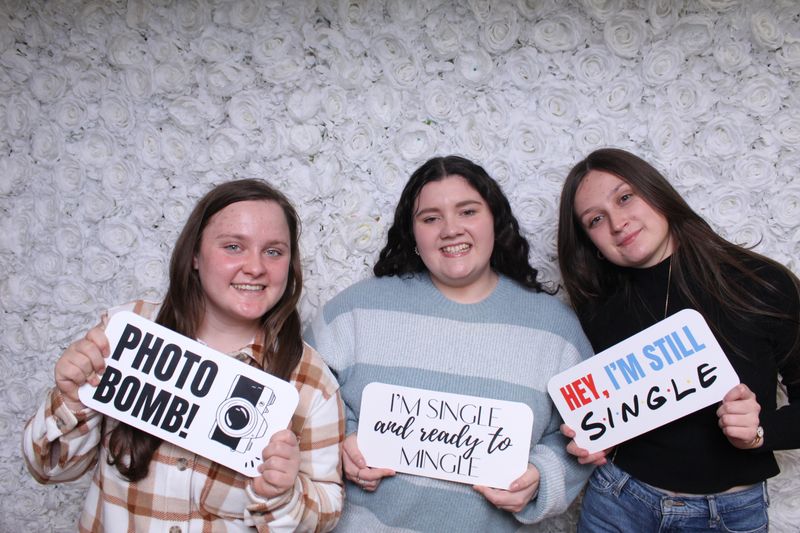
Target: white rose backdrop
<point x="116" y="116"/>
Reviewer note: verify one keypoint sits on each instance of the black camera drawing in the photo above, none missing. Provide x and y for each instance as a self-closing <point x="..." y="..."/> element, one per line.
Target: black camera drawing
<point x="240" y="418"/>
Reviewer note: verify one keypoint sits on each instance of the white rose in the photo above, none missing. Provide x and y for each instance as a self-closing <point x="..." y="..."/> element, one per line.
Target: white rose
<point x="475" y="67"/>
<point x="138" y="82"/>
<point x="215" y="49"/>
<point x="407" y="11"/>
<point x="472" y="136"/>
<point x="440" y="101"/>
<point x="693" y="34"/>
<point x="625" y="33"/>
<point x="127" y="49"/>
<point x="152" y="271"/>
<point x="272" y="142"/>
<point x="305" y="139"/>
<point x="762" y="95"/>
<point x="747" y="233"/>
<point x="558" y="104"/>
<point x="47" y="206"/>
<point x="766" y="30"/>
<point x="278" y="55"/>
<point x="70" y="114"/>
<point x="731" y="54"/>
<point x="601" y="10"/>
<point x="21" y="292"/>
<point x="500" y="32"/>
<point x="190" y="17"/>
<point x="47" y="144"/>
<point x="536" y="9"/>
<point x="69" y="176"/>
<point x="98" y="264"/>
<point x="753" y="171"/>
<point x="721" y="5"/>
<point x="722" y="137"/>
<point x="668" y="135"/>
<point x="618" y="96"/>
<point x="496" y="111"/>
<point x="146" y="210"/>
<point x="69" y="239"/>
<point x="118" y="236"/>
<point x="388" y="178"/>
<point x="303" y="105"/>
<point x="176" y="210"/>
<point x="334" y="103"/>
<point x="18" y="65"/>
<point x="689" y="98"/>
<point x="94" y="207"/>
<point x="789" y="57"/>
<point x="172" y="78"/>
<point x="501" y="169"/>
<point x="786" y="129"/>
<point x="560" y="32"/>
<point x="21" y="113"/>
<point x="785" y="206"/>
<point x="49" y="265"/>
<point x="15" y="173"/>
<point x="365" y="234"/>
<point x="591" y="135"/>
<point x="530" y="139"/>
<point x="415" y="142"/>
<point x="227" y="146"/>
<point x="595" y="66"/>
<point x="730" y="205"/>
<point x="403" y="73"/>
<point x="328" y="171"/>
<point x="148" y="146"/>
<point x="383" y="104"/>
<point x="244" y="110"/>
<point x="47" y="85"/>
<point x="119" y="177"/>
<point x="388" y="47"/>
<point x="94" y="19"/>
<point x="356" y="140"/>
<point x="123" y="288"/>
<point x="445" y="37"/>
<point x="522" y="66"/>
<point x="246" y="14"/>
<point x="226" y="79"/>
<point x="176" y="148"/>
<point x="90" y="85"/>
<point x="96" y="148"/>
<point x="480" y="8"/>
<point x="662" y="15"/>
<point x="117" y="114"/>
<point x="662" y="64"/>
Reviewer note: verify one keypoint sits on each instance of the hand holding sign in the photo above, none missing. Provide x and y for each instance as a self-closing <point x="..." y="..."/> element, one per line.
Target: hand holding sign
<point x="189" y="394"/>
<point x="667" y="371"/>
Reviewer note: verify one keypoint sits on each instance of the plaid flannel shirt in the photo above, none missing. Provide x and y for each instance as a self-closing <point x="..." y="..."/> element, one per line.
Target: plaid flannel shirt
<point x="184" y="492"/>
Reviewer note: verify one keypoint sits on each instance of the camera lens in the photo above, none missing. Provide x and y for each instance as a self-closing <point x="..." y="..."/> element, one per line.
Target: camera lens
<point x="237" y="417"/>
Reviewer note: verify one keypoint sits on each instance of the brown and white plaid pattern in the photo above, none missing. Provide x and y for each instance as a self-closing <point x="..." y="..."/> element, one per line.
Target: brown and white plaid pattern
<point x="184" y="492"/>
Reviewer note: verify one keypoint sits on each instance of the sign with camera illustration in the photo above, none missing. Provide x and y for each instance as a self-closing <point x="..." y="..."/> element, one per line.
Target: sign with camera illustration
<point x="467" y="439"/>
<point x="188" y="394"/>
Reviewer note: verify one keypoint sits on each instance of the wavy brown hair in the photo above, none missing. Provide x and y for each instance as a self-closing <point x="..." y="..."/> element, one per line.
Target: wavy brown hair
<point x="701" y="254"/>
<point x="510" y="252"/>
<point x="131" y="449"/>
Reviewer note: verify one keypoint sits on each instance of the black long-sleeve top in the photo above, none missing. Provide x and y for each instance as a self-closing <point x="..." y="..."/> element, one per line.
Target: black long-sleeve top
<point x="691" y="454"/>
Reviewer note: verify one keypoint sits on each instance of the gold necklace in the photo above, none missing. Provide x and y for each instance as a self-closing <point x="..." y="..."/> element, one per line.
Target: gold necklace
<point x="669" y="280"/>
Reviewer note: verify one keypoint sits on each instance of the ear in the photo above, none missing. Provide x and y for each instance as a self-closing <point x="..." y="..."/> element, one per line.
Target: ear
<point x="194" y="262"/>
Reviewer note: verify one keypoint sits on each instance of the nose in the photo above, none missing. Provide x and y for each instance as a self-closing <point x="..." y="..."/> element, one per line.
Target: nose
<point x="617" y="221"/>
<point x="451" y="227"/>
<point x="253" y="264"/>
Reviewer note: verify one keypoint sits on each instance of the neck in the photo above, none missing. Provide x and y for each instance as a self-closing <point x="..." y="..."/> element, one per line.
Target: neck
<point x="470" y="294"/>
<point x="224" y="336"/>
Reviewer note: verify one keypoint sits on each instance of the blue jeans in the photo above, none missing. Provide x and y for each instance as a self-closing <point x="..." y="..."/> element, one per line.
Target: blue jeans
<point x="616" y="502"/>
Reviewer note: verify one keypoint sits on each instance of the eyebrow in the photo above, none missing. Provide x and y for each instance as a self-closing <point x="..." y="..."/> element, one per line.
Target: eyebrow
<point x="458" y="205"/>
<point x="610" y="194"/>
<point x="239" y="237"/>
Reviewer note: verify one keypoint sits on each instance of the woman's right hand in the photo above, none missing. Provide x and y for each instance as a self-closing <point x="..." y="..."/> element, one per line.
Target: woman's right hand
<point x="356" y="469"/>
<point x="83" y="361"/>
<point x="584" y="457"/>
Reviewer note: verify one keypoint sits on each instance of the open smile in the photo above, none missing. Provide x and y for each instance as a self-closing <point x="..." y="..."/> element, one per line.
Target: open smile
<point x="248" y="287"/>
<point x="456" y="249"/>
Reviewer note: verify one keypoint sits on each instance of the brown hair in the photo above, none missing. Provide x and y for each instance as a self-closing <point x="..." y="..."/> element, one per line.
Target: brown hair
<point x="131" y="450"/>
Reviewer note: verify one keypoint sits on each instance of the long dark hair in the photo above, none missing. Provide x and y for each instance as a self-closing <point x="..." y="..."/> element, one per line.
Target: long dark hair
<point x="701" y="255"/>
<point x="510" y="252"/>
<point x="131" y="449"/>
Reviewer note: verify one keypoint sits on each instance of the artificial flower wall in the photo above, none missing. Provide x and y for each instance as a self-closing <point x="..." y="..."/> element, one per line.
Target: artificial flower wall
<point x="116" y="116"/>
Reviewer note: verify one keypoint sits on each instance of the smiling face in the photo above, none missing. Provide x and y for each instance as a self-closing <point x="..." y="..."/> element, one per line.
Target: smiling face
<point x="620" y="223"/>
<point x="243" y="263"/>
<point x="454" y="231"/>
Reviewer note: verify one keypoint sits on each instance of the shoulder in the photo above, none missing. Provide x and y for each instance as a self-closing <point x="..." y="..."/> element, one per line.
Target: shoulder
<point x="539" y="309"/>
<point x="312" y="376"/>
<point x="373" y="293"/>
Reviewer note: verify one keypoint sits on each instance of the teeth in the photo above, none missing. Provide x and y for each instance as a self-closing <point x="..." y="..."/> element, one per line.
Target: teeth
<point x="243" y="287"/>
<point x="457" y="248"/>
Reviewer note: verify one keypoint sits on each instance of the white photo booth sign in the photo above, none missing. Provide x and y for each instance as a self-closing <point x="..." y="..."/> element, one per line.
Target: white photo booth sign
<point x="671" y="369"/>
<point x="189" y="394"/>
<point x="468" y="439"/>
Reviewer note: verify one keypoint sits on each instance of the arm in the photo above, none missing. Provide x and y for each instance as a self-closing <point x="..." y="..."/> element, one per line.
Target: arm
<point x="313" y="499"/>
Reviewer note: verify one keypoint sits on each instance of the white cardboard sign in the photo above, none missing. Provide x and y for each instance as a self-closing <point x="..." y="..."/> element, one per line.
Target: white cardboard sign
<point x="468" y="439"/>
<point x="671" y="369"/>
<point x="189" y="394"/>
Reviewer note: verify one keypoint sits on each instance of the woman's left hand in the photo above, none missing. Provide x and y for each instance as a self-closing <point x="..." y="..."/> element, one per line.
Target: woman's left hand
<point x="280" y="467"/>
<point x="518" y="494"/>
<point x="738" y="417"/>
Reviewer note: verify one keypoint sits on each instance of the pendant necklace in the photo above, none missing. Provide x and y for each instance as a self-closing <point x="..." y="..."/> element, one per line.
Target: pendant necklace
<point x="669" y="280"/>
